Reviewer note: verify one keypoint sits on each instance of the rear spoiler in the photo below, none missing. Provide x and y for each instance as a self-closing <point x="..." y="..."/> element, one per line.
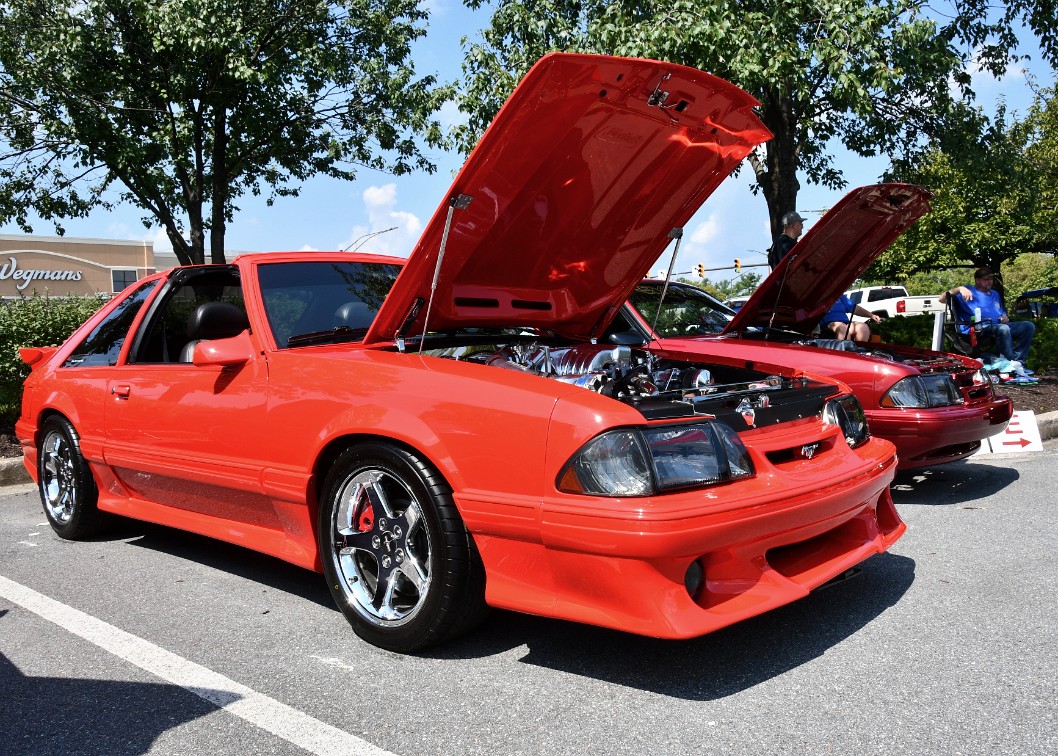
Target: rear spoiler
<point x="36" y="356"/>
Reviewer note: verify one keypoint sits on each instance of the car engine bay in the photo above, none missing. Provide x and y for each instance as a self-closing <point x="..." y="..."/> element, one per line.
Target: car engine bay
<point x="659" y="387"/>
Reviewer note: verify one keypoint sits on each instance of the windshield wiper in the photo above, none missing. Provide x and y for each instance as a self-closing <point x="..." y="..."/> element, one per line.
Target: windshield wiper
<point x="333" y="336"/>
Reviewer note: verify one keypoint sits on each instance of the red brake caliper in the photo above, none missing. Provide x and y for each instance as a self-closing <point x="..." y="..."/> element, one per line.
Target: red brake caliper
<point x="366" y="520"/>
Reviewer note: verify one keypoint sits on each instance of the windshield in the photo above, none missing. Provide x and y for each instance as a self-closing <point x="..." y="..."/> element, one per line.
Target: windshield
<point x="687" y="310"/>
<point x="316" y="302"/>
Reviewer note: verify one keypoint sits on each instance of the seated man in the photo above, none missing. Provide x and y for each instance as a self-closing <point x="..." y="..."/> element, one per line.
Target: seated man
<point x="981" y="302"/>
<point x="838" y="320"/>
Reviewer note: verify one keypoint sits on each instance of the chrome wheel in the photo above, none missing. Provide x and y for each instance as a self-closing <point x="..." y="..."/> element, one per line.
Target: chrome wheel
<point x="67" y="489"/>
<point x="381" y="548"/>
<point x="398" y="559"/>
<point x="58" y="477"/>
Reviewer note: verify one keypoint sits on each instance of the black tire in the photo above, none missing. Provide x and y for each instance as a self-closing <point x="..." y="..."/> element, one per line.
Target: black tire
<point x="398" y="559"/>
<point x="67" y="489"/>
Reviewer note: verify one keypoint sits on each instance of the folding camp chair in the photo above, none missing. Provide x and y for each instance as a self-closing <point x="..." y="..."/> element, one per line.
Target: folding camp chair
<point x="974" y="339"/>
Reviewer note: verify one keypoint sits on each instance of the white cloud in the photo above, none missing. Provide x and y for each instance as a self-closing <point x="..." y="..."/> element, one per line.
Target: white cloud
<point x="389" y="231"/>
<point x="696" y="246"/>
<point x="157" y="236"/>
<point x="436" y="7"/>
<point x="705" y="231"/>
<point x="451" y="116"/>
<point x="380" y="196"/>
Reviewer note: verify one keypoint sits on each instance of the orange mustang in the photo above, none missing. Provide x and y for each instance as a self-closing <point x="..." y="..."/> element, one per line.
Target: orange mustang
<point x="446" y="435"/>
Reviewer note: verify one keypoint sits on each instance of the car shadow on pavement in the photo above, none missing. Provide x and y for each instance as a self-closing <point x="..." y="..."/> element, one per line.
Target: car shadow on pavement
<point x="953" y="483"/>
<point x="702" y="669"/>
<point x="235" y="560"/>
<point x="712" y="667"/>
<point x="49" y="715"/>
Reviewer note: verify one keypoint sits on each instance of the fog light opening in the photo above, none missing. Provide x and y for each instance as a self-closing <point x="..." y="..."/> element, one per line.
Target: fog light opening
<point x="694" y="579"/>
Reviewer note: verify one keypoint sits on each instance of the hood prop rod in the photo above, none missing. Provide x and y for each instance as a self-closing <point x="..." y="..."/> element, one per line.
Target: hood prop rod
<point x="789" y="259"/>
<point x="455" y="202"/>
<point x="677" y="234"/>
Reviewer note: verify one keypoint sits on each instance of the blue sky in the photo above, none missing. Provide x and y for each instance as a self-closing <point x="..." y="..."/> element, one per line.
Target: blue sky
<point x="332" y="214"/>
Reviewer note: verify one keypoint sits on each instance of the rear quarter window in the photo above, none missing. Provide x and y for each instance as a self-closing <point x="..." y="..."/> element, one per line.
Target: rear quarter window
<point x="103" y="345"/>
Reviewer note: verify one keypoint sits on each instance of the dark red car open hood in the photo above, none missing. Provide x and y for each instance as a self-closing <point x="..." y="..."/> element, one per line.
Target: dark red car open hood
<point x="573" y="192"/>
<point x="831" y="256"/>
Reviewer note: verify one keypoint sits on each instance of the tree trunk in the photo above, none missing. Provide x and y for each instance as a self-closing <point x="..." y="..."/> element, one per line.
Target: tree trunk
<point x="219" y="195"/>
<point x="778" y="176"/>
<point x="180" y="246"/>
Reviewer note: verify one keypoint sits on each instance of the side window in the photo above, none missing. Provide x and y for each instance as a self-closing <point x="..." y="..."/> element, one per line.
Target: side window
<point x="103" y="344"/>
<point x="856" y="296"/>
<point x="172" y="325"/>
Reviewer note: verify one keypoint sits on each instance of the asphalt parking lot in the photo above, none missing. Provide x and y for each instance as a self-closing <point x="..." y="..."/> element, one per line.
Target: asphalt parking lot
<point x="153" y="641"/>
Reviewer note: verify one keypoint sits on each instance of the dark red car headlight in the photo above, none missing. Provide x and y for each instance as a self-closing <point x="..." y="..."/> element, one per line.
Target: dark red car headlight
<point x="922" y="391"/>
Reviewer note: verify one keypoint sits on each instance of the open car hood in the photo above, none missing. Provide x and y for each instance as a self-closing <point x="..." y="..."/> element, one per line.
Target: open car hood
<point x="831" y="256"/>
<point x="570" y="196"/>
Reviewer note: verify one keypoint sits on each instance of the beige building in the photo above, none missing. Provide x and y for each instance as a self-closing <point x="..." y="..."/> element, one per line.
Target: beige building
<point x="60" y="266"/>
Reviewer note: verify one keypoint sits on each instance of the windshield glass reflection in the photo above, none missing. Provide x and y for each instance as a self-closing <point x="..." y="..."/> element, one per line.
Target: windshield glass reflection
<point x="686" y="311"/>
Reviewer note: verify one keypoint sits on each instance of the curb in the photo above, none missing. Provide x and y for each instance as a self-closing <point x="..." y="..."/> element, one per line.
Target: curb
<point x="1048" y="425"/>
<point x="13" y="472"/>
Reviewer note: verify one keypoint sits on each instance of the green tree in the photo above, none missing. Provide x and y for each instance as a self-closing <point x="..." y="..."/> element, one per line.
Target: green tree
<point x="740" y="286"/>
<point x="995" y="187"/>
<point x="183" y="106"/>
<point x="870" y="74"/>
<point x="1029" y="272"/>
<point x="993" y="28"/>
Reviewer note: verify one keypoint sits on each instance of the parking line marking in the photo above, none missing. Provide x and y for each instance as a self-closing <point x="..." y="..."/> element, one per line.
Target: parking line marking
<point x="256" y="708"/>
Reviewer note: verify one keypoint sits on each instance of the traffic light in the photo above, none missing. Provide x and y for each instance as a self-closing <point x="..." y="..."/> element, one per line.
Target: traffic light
<point x="738" y="265"/>
<point x="700" y="270"/>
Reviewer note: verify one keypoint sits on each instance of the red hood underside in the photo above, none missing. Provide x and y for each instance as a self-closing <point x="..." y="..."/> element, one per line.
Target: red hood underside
<point x="573" y="193"/>
<point x="831" y="256"/>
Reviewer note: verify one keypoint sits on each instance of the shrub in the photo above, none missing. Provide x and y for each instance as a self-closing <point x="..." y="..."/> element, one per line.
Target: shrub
<point x="1044" y="353"/>
<point x="917" y="330"/>
<point x="912" y="330"/>
<point x="34" y="321"/>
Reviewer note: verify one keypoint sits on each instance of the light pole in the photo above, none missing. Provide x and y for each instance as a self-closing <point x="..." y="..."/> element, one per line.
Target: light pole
<point x="364" y="237"/>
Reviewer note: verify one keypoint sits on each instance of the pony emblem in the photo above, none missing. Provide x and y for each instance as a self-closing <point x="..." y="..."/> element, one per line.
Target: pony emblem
<point x="745" y="408"/>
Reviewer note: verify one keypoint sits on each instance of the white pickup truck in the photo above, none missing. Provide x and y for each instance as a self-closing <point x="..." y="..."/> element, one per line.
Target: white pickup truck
<point x="890" y="301"/>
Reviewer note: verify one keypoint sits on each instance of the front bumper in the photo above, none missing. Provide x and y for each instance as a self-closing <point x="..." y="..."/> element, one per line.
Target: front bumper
<point x="628" y="573"/>
<point x="934" y="436"/>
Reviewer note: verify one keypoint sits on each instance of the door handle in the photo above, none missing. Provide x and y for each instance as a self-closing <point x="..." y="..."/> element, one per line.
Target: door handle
<point x="121" y="392"/>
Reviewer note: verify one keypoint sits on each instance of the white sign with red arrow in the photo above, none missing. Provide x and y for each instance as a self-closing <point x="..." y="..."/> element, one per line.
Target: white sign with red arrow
<point x="1022" y="434"/>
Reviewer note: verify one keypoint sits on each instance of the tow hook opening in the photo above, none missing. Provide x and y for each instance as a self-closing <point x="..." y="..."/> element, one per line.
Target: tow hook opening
<point x="846" y="575"/>
<point x="694" y="579"/>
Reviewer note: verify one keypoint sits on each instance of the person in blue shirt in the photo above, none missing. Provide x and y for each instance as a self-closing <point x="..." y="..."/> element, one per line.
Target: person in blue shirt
<point x="839" y="316"/>
<point x="981" y="302"/>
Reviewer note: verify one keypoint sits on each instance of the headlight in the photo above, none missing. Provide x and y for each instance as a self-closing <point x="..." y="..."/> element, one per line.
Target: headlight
<point x="646" y="461"/>
<point x="920" y="391"/>
<point x="847" y="413"/>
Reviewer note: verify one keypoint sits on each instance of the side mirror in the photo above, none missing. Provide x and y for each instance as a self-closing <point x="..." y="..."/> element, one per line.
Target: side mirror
<point x="627" y="338"/>
<point x="236" y="350"/>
